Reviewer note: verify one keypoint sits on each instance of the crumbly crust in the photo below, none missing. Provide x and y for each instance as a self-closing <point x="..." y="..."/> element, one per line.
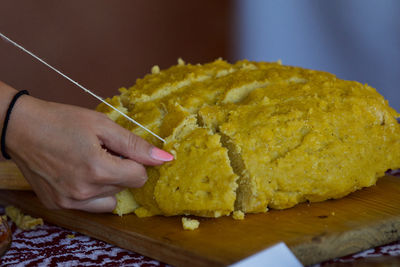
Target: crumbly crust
<point x="254" y="135"/>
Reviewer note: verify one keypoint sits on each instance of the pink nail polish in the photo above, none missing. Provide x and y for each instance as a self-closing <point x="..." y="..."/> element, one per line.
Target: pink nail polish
<point x="159" y="154"/>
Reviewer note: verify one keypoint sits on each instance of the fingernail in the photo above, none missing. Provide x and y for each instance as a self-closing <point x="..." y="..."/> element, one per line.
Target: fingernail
<point x="159" y="154"/>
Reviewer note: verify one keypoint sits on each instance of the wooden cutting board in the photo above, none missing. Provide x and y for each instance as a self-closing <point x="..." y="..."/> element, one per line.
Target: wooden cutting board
<point x="314" y="232"/>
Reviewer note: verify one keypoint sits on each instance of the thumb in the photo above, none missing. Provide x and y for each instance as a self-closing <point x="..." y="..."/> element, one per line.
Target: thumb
<point x="129" y="145"/>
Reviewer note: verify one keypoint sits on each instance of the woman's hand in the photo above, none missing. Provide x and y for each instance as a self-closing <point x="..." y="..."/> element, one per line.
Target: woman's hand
<point x="60" y="149"/>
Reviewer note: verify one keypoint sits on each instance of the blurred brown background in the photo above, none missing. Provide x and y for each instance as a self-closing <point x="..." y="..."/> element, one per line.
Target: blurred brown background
<point x="105" y="45"/>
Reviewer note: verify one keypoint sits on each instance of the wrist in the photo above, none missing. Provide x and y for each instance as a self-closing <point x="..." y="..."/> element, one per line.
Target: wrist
<point x="6" y="95"/>
<point x="19" y="125"/>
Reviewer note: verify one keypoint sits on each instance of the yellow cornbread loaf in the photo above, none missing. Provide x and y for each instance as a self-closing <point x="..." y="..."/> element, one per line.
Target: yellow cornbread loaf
<point x="253" y="135"/>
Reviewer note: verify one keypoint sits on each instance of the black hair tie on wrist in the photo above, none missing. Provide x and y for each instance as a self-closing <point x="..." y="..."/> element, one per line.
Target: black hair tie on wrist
<point x="6" y="119"/>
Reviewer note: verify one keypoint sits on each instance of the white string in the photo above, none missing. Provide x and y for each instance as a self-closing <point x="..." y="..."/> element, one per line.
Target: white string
<point x="77" y="84"/>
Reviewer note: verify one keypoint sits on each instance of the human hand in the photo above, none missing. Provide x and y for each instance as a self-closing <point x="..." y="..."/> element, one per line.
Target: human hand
<point x="60" y="149"/>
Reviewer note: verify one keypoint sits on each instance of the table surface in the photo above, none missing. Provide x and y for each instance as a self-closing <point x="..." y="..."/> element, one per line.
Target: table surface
<point x="50" y="244"/>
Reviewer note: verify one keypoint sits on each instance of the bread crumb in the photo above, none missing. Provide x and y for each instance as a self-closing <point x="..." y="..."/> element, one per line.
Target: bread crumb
<point x="24" y="222"/>
<point x="181" y="62"/>
<point x="71" y="236"/>
<point x="238" y="215"/>
<point x="125" y="203"/>
<point x="333" y="213"/>
<point x="217" y="214"/>
<point x="142" y="212"/>
<point x="155" y="69"/>
<point x="190" y="224"/>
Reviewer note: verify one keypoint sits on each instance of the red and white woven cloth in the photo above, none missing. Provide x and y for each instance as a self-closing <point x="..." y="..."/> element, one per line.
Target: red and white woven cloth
<point x="50" y="245"/>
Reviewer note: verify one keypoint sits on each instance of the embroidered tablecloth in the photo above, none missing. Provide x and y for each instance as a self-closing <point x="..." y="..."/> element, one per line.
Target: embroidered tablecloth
<point x="50" y="245"/>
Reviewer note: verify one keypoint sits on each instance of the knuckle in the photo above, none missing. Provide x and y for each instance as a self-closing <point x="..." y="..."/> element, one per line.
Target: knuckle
<point x="100" y="115"/>
<point x="82" y="193"/>
<point x="64" y="203"/>
<point x="95" y="172"/>
<point x="133" y="142"/>
<point x="100" y="179"/>
<point x="103" y="117"/>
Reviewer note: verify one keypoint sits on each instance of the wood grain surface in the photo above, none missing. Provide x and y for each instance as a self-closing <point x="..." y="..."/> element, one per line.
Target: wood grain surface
<point x="11" y="177"/>
<point x="314" y="232"/>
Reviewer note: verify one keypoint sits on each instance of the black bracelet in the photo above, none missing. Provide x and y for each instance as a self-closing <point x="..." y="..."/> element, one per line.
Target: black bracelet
<point x="5" y="123"/>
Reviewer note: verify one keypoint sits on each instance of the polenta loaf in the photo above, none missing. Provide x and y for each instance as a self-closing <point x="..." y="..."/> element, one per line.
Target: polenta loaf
<point x="251" y="136"/>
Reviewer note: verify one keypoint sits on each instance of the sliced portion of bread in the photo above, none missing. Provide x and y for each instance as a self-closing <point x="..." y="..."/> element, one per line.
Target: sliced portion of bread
<point x="200" y="181"/>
